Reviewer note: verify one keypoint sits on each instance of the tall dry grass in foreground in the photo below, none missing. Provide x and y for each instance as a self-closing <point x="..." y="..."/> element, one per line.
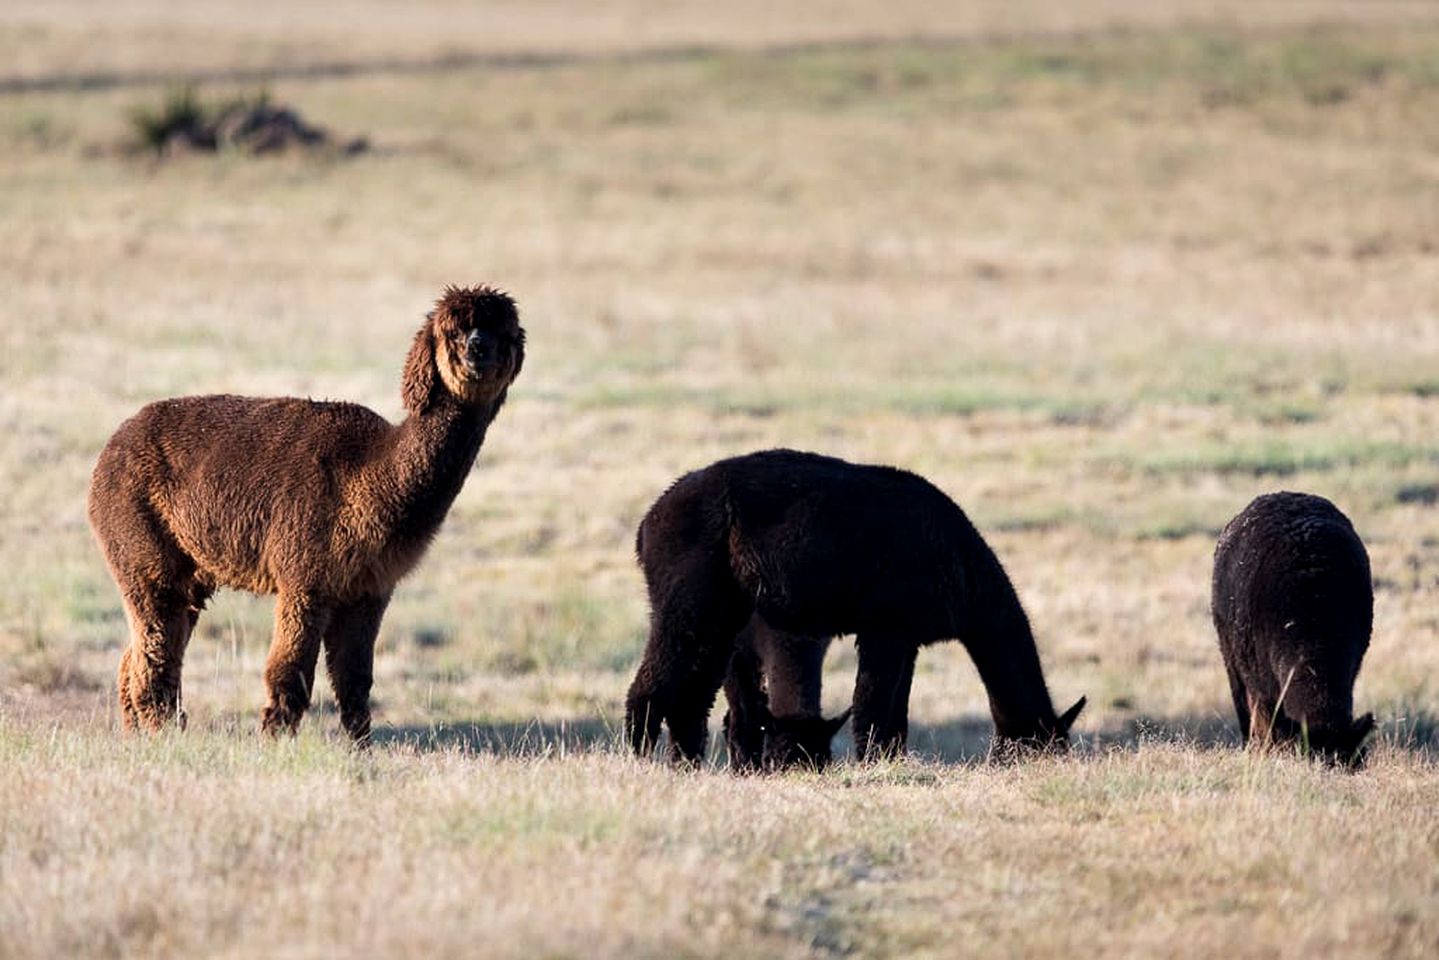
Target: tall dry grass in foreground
<point x="1100" y="288"/>
<point x="230" y="847"/>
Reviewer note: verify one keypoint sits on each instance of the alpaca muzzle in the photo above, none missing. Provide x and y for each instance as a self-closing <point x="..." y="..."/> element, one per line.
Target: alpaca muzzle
<point x="481" y="352"/>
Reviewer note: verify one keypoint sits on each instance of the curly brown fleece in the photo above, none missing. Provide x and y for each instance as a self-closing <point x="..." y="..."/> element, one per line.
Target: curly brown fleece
<point x="326" y="505"/>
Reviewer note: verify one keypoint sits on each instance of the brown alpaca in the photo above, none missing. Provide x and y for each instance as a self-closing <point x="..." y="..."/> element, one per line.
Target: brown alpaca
<point x="325" y="505"/>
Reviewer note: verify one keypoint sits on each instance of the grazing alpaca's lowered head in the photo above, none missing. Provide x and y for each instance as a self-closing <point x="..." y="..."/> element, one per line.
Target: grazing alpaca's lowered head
<point x="818" y="547"/>
<point x="773" y="689"/>
<point x="326" y="505"/>
<point x="803" y="740"/>
<point x="1293" y="605"/>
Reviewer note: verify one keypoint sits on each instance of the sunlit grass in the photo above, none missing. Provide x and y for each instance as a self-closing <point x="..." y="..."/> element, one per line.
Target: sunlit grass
<point x="1102" y="289"/>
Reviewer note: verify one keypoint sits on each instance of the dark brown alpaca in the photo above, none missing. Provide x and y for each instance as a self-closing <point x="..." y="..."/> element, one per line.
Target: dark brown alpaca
<point x="326" y="505"/>
<point x="819" y="547"/>
<point x="1293" y="604"/>
<point x="773" y="689"/>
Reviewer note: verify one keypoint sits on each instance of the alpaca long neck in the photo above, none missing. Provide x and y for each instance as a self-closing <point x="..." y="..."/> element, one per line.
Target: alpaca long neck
<point x="996" y="632"/>
<point x="430" y="458"/>
<point x="794" y="667"/>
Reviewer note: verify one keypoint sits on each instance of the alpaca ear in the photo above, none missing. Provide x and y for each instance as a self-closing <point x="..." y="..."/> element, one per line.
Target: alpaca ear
<point x="1355" y="747"/>
<point x="418" y="385"/>
<point x="1362" y="728"/>
<point x="835" y="724"/>
<point x="1062" y="725"/>
<point x="519" y="358"/>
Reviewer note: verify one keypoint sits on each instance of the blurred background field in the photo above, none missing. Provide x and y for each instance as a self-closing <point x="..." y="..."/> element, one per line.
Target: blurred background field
<point x="1102" y="271"/>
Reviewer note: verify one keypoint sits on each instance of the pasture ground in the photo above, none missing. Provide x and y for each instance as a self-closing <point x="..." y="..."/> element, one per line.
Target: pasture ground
<point x="1102" y="274"/>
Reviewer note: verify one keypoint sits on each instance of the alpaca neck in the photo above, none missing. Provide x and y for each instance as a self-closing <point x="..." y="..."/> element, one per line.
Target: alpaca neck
<point x="430" y="457"/>
<point x="793" y="667"/>
<point x="996" y="632"/>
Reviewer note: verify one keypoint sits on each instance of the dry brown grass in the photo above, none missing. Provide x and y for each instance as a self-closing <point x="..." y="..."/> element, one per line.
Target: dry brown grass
<point x="1103" y="290"/>
<point x="79" y="38"/>
<point x="229" y="847"/>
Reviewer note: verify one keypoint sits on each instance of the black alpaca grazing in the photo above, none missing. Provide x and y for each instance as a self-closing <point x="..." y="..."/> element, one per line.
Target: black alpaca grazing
<point x="1293" y="605"/>
<point x="819" y="547"/>
<point x="773" y="688"/>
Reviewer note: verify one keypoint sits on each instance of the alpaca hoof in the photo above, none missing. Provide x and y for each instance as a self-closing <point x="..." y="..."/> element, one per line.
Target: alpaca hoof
<point x="359" y="733"/>
<point x="150" y="717"/>
<point x="276" y="721"/>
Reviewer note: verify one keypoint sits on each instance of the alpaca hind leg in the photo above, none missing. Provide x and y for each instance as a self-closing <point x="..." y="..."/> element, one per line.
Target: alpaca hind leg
<point x="1241" y="703"/>
<point x="689" y="711"/>
<point x="300" y="623"/>
<point x="148" y="682"/>
<point x="644" y="712"/>
<point x="676" y="685"/>
<point x="1261" y="722"/>
<point x="881" y="696"/>
<point x="161" y="598"/>
<point x="692" y="634"/>
<point x="350" y="662"/>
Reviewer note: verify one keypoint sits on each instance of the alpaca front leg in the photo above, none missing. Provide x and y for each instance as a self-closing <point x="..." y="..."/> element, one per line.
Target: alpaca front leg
<point x="300" y="624"/>
<point x="350" y="661"/>
<point x="881" y="698"/>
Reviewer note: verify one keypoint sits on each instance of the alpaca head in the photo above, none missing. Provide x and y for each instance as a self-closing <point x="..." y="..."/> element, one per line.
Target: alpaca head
<point x="1344" y="746"/>
<point x="799" y="741"/>
<point x="1051" y="737"/>
<point x="471" y="346"/>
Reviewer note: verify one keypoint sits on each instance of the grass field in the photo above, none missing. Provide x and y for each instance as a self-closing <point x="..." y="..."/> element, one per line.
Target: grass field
<point x="1103" y="273"/>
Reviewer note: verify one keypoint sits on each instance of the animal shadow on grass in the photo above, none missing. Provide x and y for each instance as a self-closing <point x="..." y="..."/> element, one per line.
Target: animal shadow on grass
<point x="1413" y="731"/>
<point x="963" y="740"/>
<point x="518" y="739"/>
<point x="967" y="739"/>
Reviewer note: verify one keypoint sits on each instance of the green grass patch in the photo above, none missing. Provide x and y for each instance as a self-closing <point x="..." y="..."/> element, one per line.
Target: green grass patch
<point x="1277" y="458"/>
<point x="571" y="629"/>
<point x="1216" y="68"/>
<point x="913" y="398"/>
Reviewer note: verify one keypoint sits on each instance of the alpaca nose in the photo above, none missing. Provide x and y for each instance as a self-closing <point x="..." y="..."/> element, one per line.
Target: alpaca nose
<point x="478" y="346"/>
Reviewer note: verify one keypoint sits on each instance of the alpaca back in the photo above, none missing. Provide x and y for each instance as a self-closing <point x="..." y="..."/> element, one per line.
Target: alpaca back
<point x="249" y="490"/>
<point x="1293" y="604"/>
<point x="819" y="547"/>
<point x="827" y="547"/>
